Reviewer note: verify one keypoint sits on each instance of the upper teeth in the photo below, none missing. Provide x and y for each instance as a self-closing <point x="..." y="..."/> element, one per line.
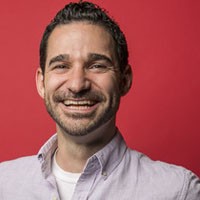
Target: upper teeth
<point x="83" y="102"/>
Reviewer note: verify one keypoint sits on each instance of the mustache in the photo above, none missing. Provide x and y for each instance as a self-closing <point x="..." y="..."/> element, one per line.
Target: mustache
<point x="60" y="96"/>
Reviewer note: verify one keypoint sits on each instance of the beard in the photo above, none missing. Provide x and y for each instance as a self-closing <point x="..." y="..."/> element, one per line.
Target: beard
<point x="80" y="124"/>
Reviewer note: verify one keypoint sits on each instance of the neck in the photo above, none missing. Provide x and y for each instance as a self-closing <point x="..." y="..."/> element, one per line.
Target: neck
<point x="74" y="151"/>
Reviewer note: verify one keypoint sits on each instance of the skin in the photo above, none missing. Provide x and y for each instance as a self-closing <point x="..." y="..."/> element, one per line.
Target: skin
<point x="81" y="88"/>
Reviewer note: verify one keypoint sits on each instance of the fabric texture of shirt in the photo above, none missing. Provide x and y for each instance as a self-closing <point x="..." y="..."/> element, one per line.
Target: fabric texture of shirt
<point x="113" y="173"/>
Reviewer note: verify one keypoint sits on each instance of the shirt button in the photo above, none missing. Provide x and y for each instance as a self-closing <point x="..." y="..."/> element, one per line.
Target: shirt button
<point x="104" y="173"/>
<point x="54" y="198"/>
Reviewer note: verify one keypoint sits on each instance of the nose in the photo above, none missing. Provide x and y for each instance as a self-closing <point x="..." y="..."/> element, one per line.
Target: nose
<point x="77" y="80"/>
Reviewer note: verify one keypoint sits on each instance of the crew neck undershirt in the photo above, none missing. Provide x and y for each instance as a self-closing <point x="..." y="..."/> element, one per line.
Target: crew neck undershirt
<point x="66" y="181"/>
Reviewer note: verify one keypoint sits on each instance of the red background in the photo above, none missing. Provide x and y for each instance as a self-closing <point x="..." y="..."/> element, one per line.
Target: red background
<point x="161" y="114"/>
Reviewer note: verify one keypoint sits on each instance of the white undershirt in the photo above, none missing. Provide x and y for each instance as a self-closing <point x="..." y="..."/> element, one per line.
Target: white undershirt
<point x="66" y="181"/>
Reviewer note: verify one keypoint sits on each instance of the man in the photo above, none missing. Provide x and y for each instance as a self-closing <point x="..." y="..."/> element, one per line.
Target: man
<point x="83" y="74"/>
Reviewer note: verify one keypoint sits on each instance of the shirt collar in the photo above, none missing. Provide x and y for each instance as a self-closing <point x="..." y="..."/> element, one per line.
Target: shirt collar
<point x="111" y="155"/>
<point x="46" y="153"/>
<point x="108" y="157"/>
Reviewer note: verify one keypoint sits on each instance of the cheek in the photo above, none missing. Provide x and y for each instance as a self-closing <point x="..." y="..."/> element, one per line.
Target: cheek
<point x="108" y="84"/>
<point x="52" y="82"/>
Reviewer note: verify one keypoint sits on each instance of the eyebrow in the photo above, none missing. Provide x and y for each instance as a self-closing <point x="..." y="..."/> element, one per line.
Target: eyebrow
<point x="91" y="57"/>
<point x="59" y="58"/>
<point x="96" y="57"/>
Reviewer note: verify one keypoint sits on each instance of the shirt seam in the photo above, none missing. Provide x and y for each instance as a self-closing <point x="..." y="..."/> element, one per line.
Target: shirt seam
<point x="184" y="188"/>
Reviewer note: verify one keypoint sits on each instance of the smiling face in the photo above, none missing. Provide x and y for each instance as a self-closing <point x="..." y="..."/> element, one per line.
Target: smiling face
<point x="80" y="84"/>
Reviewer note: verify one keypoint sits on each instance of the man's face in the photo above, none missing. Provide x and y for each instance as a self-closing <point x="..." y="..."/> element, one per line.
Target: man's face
<point x="81" y="80"/>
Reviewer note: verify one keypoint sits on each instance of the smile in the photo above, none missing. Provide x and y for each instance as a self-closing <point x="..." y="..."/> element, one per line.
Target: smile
<point x="80" y="104"/>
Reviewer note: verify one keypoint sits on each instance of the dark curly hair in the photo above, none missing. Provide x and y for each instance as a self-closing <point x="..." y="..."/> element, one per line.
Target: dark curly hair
<point x="86" y="11"/>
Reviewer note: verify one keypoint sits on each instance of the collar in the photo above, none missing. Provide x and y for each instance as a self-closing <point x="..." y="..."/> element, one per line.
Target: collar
<point x="111" y="155"/>
<point x="45" y="155"/>
<point x="108" y="158"/>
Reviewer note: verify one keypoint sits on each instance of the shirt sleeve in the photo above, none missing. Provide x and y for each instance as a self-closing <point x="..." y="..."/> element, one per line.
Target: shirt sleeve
<point x="191" y="189"/>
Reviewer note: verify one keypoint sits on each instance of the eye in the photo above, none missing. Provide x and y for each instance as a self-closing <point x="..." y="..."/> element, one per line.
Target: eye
<point x="60" y="67"/>
<point x="98" y="67"/>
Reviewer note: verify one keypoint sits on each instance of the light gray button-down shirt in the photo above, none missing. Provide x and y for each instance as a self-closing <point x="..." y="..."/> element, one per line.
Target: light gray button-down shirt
<point x="114" y="173"/>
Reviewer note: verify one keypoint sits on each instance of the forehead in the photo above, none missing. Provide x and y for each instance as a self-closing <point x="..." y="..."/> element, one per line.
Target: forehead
<point x="80" y="37"/>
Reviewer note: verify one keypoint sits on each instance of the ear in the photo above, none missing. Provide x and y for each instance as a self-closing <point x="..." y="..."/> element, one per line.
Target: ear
<point x="126" y="80"/>
<point x="40" y="82"/>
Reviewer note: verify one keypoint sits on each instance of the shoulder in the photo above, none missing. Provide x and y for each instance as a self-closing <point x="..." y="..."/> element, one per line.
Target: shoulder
<point x="149" y="166"/>
<point x="18" y="167"/>
<point x="160" y="175"/>
<point x="22" y="161"/>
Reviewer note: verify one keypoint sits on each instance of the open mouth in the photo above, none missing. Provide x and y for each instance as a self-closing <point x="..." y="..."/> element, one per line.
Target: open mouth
<point x="80" y="104"/>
